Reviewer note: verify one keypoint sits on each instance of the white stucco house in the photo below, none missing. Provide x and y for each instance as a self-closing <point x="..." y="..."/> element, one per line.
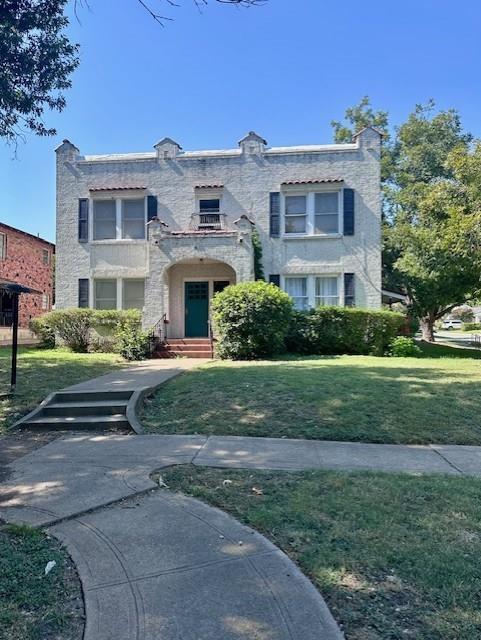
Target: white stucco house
<point x="165" y="230"/>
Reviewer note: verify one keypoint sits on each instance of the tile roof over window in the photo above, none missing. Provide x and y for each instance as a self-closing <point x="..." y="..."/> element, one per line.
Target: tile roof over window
<point x="323" y="181"/>
<point x="118" y="188"/>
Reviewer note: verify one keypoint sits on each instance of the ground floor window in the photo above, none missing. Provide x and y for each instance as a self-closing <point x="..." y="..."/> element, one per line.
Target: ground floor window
<point x="45" y="301"/>
<point x="105" y="294"/>
<point x="312" y="291"/>
<point x="297" y="289"/>
<point x="133" y="294"/>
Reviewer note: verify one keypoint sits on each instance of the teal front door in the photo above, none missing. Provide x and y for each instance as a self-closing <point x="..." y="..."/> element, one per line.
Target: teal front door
<point x="196" y="309"/>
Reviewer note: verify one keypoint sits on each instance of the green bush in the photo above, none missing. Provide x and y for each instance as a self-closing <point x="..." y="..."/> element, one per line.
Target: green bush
<point x="403" y="347"/>
<point x="342" y="330"/>
<point x="251" y="320"/>
<point x="132" y="342"/>
<point x="73" y="327"/>
<point x="472" y="326"/>
<point x="41" y="327"/>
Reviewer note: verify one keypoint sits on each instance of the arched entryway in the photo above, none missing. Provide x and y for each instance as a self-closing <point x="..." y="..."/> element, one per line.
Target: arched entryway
<point x="191" y="284"/>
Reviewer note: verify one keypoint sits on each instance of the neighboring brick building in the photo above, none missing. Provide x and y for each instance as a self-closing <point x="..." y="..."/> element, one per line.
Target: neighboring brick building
<point x="164" y="230"/>
<point x="27" y="260"/>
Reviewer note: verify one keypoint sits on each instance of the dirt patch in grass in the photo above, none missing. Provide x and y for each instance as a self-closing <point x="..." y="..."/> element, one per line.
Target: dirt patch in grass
<point x="395" y="556"/>
<point x="35" y="606"/>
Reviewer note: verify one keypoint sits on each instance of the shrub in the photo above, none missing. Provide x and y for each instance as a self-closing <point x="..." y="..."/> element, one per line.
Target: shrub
<point x="132" y="342"/>
<point x="251" y="320"/>
<point x="338" y="330"/>
<point x="44" y="331"/>
<point x="73" y="327"/>
<point x="472" y="326"/>
<point x="403" y="347"/>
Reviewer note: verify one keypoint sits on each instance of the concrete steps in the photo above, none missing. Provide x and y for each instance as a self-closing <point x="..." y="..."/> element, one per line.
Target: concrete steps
<point x="82" y="410"/>
<point x="184" y="347"/>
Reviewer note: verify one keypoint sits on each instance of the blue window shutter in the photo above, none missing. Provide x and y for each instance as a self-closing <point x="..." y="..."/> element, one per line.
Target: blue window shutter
<point x="275" y="278"/>
<point x="349" y="290"/>
<point x="151" y="207"/>
<point x="274" y="214"/>
<point x="83" y="292"/>
<point x="349" y="212"/>
<point x="83" y="220"/>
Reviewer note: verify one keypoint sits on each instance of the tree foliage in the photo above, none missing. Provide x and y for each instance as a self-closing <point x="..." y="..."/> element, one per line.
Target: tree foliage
<point x="37" y="63"/>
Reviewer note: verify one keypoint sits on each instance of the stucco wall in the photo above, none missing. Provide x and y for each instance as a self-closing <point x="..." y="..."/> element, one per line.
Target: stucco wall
<point x="247" y="180"/>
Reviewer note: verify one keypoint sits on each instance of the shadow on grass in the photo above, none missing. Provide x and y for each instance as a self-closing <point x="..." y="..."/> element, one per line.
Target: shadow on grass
<point x="352" y="399"/>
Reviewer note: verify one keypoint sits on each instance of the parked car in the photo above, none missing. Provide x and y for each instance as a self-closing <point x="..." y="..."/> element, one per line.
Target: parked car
<point x="452" y="324"/>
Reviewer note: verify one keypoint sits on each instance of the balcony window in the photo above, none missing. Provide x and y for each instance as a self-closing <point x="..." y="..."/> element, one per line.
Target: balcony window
<point x="133" y="294"/>
<point x="209" y="213"/>
<point x="295" y="214"/>
<point x="105" y="220"/>
<point x="133" y="219"/>
<point x="105" y="292"/>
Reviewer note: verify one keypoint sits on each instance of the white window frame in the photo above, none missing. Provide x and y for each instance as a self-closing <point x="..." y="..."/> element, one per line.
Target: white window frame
<point x="118" y="218"/>
<point x="122" y="302"/>
<point x="46" y="254"/>
<point x="118" y="281"/>
<point x="326" y="277"/>
<point x="3" y="246"/>
<point x="310" y="194"/>
<point x="311" y="285"/>
<point x="306" y="297"/>
<point x="45" y="301"/>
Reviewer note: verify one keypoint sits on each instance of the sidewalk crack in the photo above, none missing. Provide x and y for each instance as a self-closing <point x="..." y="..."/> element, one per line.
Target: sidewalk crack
<point x="451" y="464"/>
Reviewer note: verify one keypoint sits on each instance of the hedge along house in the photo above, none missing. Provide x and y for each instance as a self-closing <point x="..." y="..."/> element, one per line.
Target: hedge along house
<point x="165" y="230"/>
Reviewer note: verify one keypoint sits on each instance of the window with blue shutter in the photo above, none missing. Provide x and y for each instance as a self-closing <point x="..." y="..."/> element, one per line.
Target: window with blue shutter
<point x="274" y="214"/>
<point x="151" y="207"/>
<point x="83" y="292"/>
<point x="349" y="290"/>
<point x="275" y="278"/>
<point x="349" y="212"/>
<point x="83" y="220"/>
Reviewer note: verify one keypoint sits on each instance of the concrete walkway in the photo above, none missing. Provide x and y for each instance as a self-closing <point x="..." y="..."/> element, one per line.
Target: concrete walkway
<point x="154" y="564"/>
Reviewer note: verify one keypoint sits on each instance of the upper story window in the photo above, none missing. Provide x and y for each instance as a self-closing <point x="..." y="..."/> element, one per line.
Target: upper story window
<point x="119" y="219"/>
<point x="314" y="213"/>
<point x="209" y="213"/>
<point x="3" y="246"/>
<point x="45" y="256"/>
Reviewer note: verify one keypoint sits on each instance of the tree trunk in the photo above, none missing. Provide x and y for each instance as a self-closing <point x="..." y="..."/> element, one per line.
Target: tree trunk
<point x="427" y="328"/>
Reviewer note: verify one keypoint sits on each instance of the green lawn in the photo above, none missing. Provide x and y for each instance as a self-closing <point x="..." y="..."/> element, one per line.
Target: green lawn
<point x="350" y="398"/>
<point x="395" y="556"/>
<point x="35" y="606"/>
<point x="41" y="371"/>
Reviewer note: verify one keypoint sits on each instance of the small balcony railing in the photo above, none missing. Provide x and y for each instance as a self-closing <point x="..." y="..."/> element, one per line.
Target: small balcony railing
<point x="210" y="221"/>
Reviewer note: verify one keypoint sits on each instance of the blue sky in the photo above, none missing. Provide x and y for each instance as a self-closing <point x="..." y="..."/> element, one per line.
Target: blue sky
<point x="285" y="69"/>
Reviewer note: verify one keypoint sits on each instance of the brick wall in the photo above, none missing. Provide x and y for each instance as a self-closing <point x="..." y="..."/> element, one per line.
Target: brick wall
<point x="24" y="264"/>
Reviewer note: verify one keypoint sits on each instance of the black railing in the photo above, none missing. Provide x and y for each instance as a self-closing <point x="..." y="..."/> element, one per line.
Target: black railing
<point x="208" y="221"/>
<point x="6" y="318"/>
<point x="158" y="333"/>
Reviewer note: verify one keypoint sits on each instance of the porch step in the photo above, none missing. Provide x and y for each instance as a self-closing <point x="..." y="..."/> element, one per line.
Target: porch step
<point x="95" y="396"/>
<point x="78" y="422"/>
<point x="89" y="407"/>
<point x="184" y="347"/>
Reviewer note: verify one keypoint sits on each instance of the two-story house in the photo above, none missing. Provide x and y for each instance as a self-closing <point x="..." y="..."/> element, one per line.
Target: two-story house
<point x="164" y="231"/>
<point x="27" y="260"/>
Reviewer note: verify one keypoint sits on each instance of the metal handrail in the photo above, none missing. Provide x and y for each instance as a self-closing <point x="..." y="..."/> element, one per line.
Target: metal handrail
<point x="158" y="333"/>
<point x="211" y="339"/>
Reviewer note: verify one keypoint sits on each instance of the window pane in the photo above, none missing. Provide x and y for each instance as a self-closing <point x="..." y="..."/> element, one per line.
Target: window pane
<point x="133" y="219"/>
<point x="106" y="294"/>
<point x="133" y="294"/>
<point x="326" y="202"/>
<point x="297" y="289"/>
<point x="3" y="246"/>
<point x="209" y="206"/>
<point x="104" y="220"/>
<point x="327" y="291"/>
<point x="295" y="204"/>
<point x="295" y="224"/>
<point x="326" y="223"/>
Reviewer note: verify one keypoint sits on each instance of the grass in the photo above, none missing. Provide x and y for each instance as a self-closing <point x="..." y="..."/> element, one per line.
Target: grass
<point x="395" y="556"/>
<point x="348" y="398"/>
<point x="41" y="371"/>
<point x="34" y="606"/>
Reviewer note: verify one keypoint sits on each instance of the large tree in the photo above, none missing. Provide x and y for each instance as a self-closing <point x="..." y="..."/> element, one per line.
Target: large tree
<point x="36" y="63"/>
<point x="431" y="179"/>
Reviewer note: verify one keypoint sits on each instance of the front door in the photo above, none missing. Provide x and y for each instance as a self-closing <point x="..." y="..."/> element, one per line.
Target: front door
<point x="196" y="309"/>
